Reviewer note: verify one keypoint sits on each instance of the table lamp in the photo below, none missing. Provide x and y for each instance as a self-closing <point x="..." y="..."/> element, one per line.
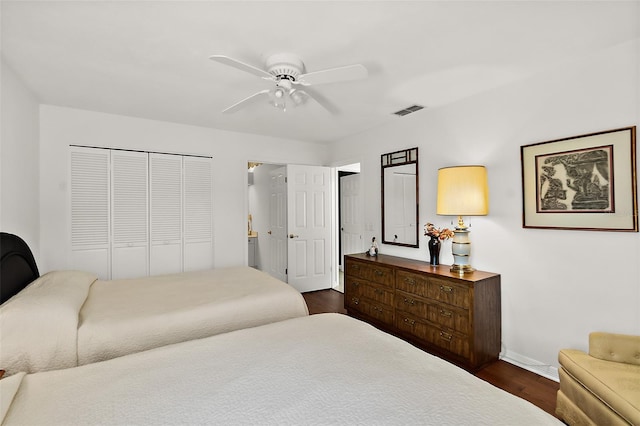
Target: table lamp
<point x="462" y="191"/>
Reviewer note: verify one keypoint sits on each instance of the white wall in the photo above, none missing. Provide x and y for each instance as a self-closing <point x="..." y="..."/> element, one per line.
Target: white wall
<point x="557" y="285"/>
<point x="19" y="165"/>
<point x="61" y="127"/>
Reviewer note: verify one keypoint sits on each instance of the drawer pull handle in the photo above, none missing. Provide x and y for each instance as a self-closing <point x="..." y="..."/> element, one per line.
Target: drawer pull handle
<point x="355" y="266"/>
<point x="378" y="291"/>
<point x="410" y="322"/>
<point x="446" y="336"/>
<point x="355" y="300"/>
<point x="410" y="281"/>
<point x="378" y="273"/>
<point x="355" y="283"/>
<point x="446" y="288"/>
<point x="446" y="313"/>
<point x="409" y="301"/>
<point x="376" y="308"/>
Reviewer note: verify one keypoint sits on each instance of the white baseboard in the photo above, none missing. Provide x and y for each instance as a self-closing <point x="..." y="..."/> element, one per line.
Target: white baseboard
<point x="544" y="370"/>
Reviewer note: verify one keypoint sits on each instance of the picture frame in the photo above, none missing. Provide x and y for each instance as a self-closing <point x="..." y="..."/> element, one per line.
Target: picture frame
<point x="585" y="182"/>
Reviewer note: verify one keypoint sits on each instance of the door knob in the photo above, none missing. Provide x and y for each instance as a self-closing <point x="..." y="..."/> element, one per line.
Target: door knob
<point x="269" y="232"/>
<point x="293" y="236"/>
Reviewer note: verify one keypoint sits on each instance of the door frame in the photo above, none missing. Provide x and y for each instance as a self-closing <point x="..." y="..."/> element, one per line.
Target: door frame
<point x="354" y="166"/>
<point x="341" y="174"/>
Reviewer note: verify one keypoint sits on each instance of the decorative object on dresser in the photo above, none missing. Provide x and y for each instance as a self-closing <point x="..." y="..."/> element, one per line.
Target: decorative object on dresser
<point x="435" y="236"/>
<point x="399" y="174"/>
<point x="462" y="191"/>
<point x="373" y="251"/>
<point x="456" y="317"/>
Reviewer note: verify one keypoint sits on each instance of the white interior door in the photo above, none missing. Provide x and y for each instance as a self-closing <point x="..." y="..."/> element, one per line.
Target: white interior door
<point x="351" y="215"/>
<point x="309" y="227"/>
<point x="277" y="233"/>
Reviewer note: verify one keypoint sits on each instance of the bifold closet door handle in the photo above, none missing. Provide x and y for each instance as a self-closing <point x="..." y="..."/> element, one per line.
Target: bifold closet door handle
<point x="293" y="236"/>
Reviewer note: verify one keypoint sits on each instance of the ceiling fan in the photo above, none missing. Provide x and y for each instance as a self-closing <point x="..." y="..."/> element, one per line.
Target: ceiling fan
<point x="292" y="83"/>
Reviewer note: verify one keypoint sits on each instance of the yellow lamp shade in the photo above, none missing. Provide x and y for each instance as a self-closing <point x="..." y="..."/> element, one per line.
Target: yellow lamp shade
<point x="463" y="191"/>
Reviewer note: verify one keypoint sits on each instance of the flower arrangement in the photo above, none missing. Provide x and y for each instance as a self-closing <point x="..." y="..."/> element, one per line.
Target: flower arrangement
<point x="441" y="233"/>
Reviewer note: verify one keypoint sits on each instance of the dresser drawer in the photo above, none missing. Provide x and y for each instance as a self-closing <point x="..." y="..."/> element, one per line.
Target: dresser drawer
<point x="379" y="294"/>
<point x="353" y="302"/>
<point x="448" y="292"/>
<point x="456" y="319"/>
<point x="449" y="340"/>
<point x="381" y="275"/>
<point x="412" y="283"/>
<point x="409" y="303"/>
<point x="356" y="269"/>
<point x="370" y="271"/>
<point x="379" y="311"/>
<point x="371" y="308"/>
<point x="355" y="286"/>
<point x="439" y="336"/>
<point x="444" y="315"/>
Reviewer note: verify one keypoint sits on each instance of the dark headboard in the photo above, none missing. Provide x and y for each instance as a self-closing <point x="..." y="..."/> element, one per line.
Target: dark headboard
<point x="17" y="265"/>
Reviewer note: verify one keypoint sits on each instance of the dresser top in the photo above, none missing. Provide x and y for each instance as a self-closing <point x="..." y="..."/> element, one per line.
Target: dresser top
<point x="418" y="265"/>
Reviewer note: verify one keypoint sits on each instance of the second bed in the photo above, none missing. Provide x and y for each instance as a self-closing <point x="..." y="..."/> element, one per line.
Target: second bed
<point x="69" y="318"/>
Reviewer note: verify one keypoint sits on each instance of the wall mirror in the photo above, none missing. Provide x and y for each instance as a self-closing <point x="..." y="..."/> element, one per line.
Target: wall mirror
<point x="400" y="198"/>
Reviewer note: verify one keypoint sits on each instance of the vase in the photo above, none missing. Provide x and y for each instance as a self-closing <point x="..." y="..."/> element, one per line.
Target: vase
<point x="434" y="251"/>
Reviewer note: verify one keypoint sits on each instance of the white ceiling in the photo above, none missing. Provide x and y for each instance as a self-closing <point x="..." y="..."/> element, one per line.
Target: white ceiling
<point x="150" y="58"/>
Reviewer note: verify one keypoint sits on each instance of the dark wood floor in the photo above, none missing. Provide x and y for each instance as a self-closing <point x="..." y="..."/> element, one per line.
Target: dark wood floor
<point x="538" y="390"/>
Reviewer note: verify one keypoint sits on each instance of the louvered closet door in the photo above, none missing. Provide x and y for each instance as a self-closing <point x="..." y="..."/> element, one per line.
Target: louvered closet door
<point x="165" y="177"/>
<point x="129" y="214"/>
<point x="198" y="216"/>
<point x="89" y="169"/>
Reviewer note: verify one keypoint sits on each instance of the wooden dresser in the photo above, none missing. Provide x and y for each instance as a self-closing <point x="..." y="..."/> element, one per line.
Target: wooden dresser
<point x="457" y="317"/>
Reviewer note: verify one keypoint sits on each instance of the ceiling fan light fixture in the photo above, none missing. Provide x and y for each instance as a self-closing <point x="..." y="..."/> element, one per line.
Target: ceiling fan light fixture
<point x="278" y="98"/>
<point x="296" y="96"/>
<point x="287" y="71"/>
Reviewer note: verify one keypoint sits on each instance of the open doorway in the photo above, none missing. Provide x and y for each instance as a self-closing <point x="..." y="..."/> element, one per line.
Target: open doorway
<point x="289" y="213"/>
<point x="350" y="216"/>
<point x="267" y="206"/>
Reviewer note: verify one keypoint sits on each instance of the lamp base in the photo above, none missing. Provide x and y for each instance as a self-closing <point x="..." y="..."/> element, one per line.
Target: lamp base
<point x="461" y="249"/>
<point x="461" y="269"/>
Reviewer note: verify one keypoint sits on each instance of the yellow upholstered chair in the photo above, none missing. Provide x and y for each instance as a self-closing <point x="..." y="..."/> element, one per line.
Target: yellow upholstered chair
<point x="603" y="386"/>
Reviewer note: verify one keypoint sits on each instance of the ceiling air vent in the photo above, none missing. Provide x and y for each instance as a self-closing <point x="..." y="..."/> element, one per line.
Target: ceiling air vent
<point x="408" y="110"/>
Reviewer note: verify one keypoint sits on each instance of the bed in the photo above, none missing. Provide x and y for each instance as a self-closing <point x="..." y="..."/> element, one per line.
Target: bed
<point x="320" y="369"/>
<point x="67" y="318"/>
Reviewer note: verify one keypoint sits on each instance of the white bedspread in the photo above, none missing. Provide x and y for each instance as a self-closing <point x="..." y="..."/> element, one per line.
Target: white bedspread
<point x="39" y="325"/>
<point x="322" y="369"/>
<point x="126" y="316"/>
<point x="69" y="318"/>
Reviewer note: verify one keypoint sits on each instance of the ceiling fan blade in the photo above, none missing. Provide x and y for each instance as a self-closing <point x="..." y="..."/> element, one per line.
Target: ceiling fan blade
<point x="324" y="102"/>
<point x="334" y="75"/>
<point x="246" y="101"/>
<point x="241" y="66"/>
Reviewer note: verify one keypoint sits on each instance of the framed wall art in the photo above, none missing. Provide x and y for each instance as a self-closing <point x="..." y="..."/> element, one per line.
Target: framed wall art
<point x="585" y="182"/>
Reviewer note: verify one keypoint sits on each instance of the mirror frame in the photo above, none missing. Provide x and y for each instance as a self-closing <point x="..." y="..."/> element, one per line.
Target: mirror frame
<point x="394" y="159"/>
